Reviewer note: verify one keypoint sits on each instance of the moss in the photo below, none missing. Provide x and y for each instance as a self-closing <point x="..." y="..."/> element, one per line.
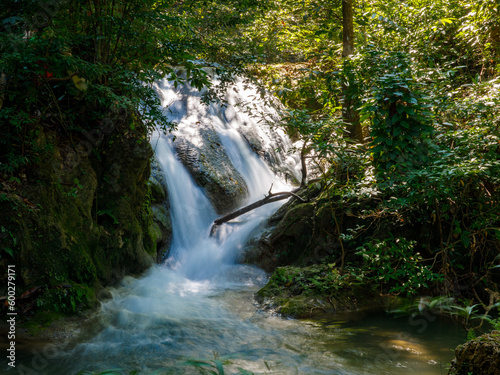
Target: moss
<point x="40" y="322"/>
<point x="306" y="291"/>
<point x="158" y="193"/>
<point x="81" y="266"/>
<point x="478" y="356"/>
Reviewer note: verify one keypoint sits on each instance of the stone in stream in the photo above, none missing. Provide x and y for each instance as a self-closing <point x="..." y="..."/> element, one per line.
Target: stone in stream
<point x="480" y="356"/>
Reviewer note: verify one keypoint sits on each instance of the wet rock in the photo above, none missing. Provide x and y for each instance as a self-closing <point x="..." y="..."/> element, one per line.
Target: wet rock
<point x="248" y="111"/>
<point x="162" y="227"/>
<point x="203" y="154"/>
<point x="158" y="193"/>
<point x="85" y="223"/>
<point x="291" y="239"/>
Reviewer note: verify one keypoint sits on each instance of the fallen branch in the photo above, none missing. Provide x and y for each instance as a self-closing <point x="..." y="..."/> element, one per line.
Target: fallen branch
<point x="270" y="198"/>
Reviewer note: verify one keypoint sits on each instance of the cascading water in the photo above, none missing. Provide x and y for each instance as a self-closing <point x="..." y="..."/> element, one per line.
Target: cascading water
<point x="200" y="303"/>
<point x="194" y="253"/>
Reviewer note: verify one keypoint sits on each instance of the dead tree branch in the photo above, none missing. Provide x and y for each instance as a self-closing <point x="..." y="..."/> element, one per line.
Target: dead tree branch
<point x="270" y="198"/>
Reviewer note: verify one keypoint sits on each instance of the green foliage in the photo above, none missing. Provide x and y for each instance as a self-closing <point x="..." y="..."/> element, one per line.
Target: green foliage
<point x="215" y="367"/>
<point x="315" y="279"/>
<point x="424" y="82"/>
<point x="396" y="266"/>
<point x="399" y="115"/>
<point x="473" y="321"/>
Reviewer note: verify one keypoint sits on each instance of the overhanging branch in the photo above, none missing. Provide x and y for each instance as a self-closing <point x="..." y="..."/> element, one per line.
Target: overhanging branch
<point x="269" y="198"/>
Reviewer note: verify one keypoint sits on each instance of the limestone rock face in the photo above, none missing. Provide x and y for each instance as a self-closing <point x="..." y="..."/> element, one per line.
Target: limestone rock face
<point x="205" y="133"/>
<point x="249" y="114"/>
<point x="480" y="356"/>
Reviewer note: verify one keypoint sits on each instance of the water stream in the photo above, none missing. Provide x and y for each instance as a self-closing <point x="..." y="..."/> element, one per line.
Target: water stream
<point x="199" y="305"/>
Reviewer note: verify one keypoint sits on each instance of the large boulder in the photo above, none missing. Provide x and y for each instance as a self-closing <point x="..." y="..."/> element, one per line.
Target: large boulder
<point x="203" y="154"/>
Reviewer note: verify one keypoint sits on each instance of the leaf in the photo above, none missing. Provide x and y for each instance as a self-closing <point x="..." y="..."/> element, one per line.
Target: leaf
<point x="364" y="116"/>
<point x="396" y="118"/>
<point x="444" y="21"/>
<point x="219" y="366"/>
<point x="80" y="83"/>
<point x="466" y="238"/>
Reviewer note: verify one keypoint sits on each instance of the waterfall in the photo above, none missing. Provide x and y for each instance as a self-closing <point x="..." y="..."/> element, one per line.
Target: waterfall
<point x="193" y="252"/>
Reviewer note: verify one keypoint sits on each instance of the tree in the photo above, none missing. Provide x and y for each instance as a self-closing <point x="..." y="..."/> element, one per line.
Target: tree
<point x="349" y="112"/>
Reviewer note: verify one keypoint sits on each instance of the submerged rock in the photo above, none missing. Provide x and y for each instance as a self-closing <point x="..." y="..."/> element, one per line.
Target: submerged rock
<point x="480" y="356"/>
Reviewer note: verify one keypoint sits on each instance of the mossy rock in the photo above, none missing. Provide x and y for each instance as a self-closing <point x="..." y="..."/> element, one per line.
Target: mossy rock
<point x="158" y="193"/>
<point x="300" y="292"/>
<point x="40" y="322"/>
<point x="480" y="356"/>
<point x="80" y="224"/>
<point x="68" y="298"/>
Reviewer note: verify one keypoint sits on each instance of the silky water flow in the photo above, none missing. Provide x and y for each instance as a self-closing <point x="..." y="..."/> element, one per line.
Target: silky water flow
<point x="199" y="304"/>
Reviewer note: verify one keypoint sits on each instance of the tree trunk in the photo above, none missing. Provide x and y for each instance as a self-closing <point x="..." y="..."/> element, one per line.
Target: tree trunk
<point x="349" y="113"/>
<point x="347" y="28"/>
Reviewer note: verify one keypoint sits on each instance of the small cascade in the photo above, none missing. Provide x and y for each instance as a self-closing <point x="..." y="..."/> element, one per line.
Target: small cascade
<point x="191" y="210"/>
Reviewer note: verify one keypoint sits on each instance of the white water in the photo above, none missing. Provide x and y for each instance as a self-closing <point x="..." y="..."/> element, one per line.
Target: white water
<point x="200" y="303"/>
